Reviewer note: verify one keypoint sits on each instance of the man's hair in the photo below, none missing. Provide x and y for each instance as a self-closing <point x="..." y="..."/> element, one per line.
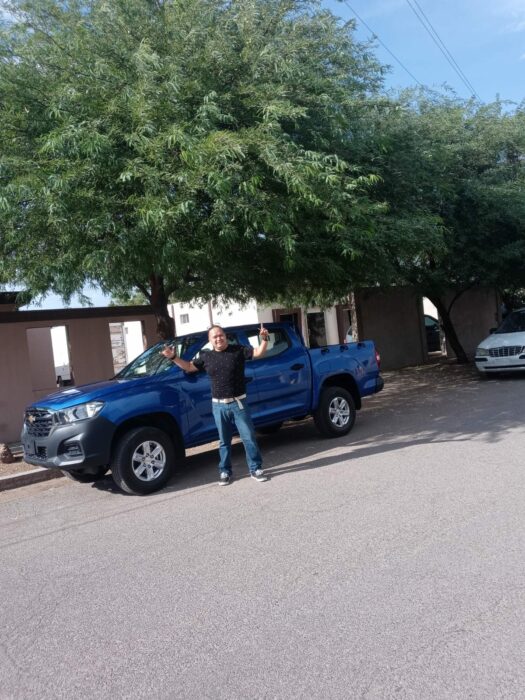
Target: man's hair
<point x="215" y="325"/>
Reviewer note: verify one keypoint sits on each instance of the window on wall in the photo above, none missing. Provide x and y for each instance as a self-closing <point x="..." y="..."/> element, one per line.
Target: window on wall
<point x="184" y="318"/>
<point x="292" y="316"/>
<point x="127" y="342"/>
<point x="49" y="358"/>
<point x="348" y="332"/>
<point x="316" y="329"/>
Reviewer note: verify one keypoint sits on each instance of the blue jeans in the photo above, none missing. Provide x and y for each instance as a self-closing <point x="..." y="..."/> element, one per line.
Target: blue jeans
<point x="227" y="416"/>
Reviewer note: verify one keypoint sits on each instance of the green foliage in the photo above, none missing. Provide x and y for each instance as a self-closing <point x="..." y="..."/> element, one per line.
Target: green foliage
<point x="453" y="174"/>
<point x="191" y="149"/>
<point x="187" y="147"/>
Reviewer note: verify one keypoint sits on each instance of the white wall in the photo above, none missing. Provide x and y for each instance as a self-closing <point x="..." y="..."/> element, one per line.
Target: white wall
<point x="202" y="317"/>
<point x="235" y="315"/>
<point x="264" y="315"/>
<point x="199" y="318"/>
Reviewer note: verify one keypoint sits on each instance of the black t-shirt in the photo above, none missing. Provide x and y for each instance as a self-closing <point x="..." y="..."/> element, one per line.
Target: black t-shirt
<point x="226" y="370"/>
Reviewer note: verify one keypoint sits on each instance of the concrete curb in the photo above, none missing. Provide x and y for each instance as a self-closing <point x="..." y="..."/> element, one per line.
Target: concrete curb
<point x="13" y="481"/>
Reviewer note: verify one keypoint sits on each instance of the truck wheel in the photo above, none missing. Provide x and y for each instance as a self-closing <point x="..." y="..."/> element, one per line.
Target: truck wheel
<point x="143" y="460"/>
<point x="336" y="412"/>
<point x="85" y="477"/>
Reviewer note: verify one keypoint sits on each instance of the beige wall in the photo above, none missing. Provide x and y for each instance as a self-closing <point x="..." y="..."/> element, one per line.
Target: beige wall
<point x="90" y="356"/>
<point x="393" y="319"/>
<point x="16" y="389"/>
<point x="473" y="315"/>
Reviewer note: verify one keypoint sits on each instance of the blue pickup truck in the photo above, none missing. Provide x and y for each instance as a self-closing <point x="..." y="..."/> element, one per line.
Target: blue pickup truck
<point x="140" y="422"/>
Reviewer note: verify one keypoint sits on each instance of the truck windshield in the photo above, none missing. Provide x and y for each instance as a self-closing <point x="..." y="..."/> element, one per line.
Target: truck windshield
<point x="152" y="362"/>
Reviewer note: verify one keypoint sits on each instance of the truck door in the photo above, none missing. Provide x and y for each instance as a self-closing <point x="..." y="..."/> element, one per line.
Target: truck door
<point x="196" y="390"/>
<point x="282" y="377"/>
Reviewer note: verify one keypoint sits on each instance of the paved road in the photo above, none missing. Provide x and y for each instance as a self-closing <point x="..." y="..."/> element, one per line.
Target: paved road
<point x="389" y="564"/>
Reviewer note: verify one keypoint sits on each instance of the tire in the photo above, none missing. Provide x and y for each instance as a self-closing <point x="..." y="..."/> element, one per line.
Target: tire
<point x="270" y="429"/>
<point x="143" y="460"/>
<point x="335" y="415"/>
<point x="85" y="477"/>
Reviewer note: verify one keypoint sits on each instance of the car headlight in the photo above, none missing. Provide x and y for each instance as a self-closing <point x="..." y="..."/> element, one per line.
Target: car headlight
<point x="81" y="412"/>
<point x="482" y="352"/>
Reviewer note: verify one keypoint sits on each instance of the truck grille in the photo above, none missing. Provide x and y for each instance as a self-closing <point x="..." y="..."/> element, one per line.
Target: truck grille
<point x="38" y="422"/>
<point x="506" y="351"/>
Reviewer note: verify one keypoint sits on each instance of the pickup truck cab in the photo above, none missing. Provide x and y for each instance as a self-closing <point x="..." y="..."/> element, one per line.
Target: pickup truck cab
<point x="140" y="422"/>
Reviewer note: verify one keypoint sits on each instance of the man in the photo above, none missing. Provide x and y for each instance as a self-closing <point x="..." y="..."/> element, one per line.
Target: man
<point x="225" y="367"/>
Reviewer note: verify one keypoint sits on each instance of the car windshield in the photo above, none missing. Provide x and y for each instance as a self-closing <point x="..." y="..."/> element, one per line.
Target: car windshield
<point x="514" y="323"/>
<point x="153" y="362"/>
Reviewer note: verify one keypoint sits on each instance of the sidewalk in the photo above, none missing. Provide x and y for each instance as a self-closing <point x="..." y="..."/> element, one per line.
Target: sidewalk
<point x="19" y="473"/>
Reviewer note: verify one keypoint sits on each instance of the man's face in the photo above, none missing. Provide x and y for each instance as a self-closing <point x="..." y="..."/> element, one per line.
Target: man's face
<point x="218" y="339"/>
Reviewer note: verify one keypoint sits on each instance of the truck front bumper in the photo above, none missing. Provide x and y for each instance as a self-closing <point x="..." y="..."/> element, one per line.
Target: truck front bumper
<point x="82" y="445"/>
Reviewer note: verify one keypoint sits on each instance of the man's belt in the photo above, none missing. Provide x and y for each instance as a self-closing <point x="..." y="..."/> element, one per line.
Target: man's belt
<point x="235" y="398"/>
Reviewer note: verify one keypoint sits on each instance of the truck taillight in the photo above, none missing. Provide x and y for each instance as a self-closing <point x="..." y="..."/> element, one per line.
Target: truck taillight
<point x="378" y="359"/>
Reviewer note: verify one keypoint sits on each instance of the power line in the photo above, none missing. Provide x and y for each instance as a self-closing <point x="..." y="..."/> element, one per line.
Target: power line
<point x="427" y="24"/>
<point x="375" y="36"/>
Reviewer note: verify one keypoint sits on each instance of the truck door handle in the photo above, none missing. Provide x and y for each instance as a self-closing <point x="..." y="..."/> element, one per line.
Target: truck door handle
<point x="248" y="379"/>
<point x="296" y="367"/>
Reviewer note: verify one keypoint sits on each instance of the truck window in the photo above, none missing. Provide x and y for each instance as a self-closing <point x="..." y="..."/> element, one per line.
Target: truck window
<point x="232" y="340"/>
<point x="278" y="342"/>
<point x="152" y="362"/>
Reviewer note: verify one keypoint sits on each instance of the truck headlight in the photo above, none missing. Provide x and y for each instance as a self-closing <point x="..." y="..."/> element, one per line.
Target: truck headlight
<point x="81" y="412"/>
<point x="482" y="352"/>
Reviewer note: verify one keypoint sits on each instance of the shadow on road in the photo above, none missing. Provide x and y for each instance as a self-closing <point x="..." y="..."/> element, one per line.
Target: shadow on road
<point x="419" y="405"/>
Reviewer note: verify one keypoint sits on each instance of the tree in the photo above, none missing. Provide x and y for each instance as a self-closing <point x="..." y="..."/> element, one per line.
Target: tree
<point x="182" y="148"/>
<point x="452" y="176"/>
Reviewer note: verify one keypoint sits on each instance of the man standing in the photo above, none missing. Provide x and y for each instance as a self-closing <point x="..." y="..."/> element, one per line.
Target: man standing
<point x="225" y="367"/>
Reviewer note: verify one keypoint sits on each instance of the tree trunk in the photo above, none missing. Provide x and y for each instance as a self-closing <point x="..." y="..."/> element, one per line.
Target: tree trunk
<point x="448" y="328"/>
<point x="159" y="303"/>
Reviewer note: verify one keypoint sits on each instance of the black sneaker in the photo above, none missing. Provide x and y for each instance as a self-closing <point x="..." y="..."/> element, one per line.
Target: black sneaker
<point x="259" y="475"/>
<point x="224" y="479"/>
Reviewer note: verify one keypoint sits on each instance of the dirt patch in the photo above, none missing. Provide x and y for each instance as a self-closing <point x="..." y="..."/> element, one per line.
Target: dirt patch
<point x="15" y="467"/>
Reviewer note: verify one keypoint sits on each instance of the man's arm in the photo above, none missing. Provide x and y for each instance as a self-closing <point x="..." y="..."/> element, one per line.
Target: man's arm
<point x="263" y="347"/>
<point x="170" y="353"/>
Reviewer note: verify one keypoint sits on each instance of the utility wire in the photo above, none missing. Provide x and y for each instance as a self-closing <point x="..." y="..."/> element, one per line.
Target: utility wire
<point x="375" y="36"/>
<point x="427" y="24"/>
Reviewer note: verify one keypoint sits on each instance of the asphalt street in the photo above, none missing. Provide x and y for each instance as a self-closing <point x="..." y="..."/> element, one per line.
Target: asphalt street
<point x="386" y="564"/>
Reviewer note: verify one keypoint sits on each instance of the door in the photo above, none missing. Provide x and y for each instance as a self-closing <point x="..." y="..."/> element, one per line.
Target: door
<point x="282" y="377"/>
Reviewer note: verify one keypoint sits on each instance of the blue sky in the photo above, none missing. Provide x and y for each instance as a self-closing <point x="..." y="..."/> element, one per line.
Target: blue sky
<point x="485" y="37"/>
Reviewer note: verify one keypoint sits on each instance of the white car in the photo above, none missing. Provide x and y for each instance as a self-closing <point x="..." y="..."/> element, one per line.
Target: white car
<point x="504" y="349"/>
